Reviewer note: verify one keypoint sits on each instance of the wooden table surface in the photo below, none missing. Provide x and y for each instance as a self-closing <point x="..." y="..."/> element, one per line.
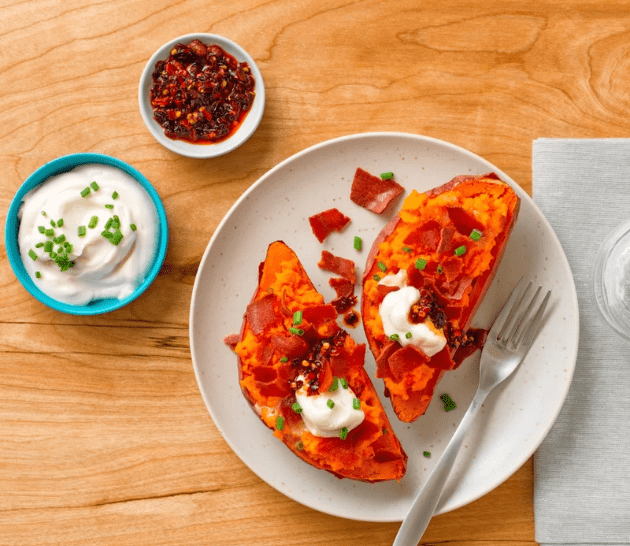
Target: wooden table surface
<point x="104" y="437"/>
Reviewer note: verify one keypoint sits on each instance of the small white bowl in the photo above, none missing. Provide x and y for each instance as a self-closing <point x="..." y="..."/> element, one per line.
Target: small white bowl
<point x="246" y="129"/>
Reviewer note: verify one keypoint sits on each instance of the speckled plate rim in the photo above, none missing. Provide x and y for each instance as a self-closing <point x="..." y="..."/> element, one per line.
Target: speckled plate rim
<point x="64" y="164"/>
<point x="203" y="151"/>
<point x="320" y="490"/>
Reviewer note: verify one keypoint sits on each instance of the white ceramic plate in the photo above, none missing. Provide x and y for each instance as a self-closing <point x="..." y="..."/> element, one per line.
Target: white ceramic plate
<point x="516" y="416"/>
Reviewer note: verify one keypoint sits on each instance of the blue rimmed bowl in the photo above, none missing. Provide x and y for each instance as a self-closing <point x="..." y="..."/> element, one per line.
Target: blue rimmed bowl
<point x="59" y="166"/>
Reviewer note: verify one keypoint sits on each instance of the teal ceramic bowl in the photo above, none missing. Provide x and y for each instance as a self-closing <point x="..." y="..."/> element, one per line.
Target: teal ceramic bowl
<point x="65" y="164"/>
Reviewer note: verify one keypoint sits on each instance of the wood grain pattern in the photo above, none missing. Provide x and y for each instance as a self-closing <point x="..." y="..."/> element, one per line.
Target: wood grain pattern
<point x="104" y="438"/>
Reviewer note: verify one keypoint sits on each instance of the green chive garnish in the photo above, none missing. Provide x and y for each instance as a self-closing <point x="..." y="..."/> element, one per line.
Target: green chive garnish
<point x="108" y="224"/>
<point x="41" y="229"/>
<point x="394" y="337"/>
<point x="61" y="238"/>
<point x="49" y="232"/>
<point x="408" y="335"/>
<point x="43" y="213"/>
<point x="426" y="453"/>
<point x="448" y="402"/>
<point x="382" y="266"/>
<point x="117" y="236"/>
<point x="356" y="403"/>
<point x="358" y="243"/>
<point x="279" y="422"/>
<point x="297" y="408"/>
<point x="115" y="223"/>
<point x="115" y="195"/>
<point x="297" y="318"/>
<point x="475" y="234"/>
<point x="38" y="275"/>
<point x="300" y="445"/>
<point x="94" y="186"/>
<point x="284" y="359"/>
<point x="407" y="249"/>
<point x="335" y="385"/>
<point x="69" y="249"/>
<point x="297" y="331"/>
<point x="82" y="231"/>
<point x="59" y="222"/>
<point x="39" y="245"/>
<point x="376" y="278"/>
<point x="60" y="250"/>
<point x="85" y="192"/>
<point x="387" y="176"/>
<point x="421" y="263"/>
<point x="48" y="246"/>
<point x="93" y="222"/>
<point x="107" y="234"/>
<point x="133" y="227"/>
<point x="108" y="206"/>
<point x="52" y="255"/>
<point x="32" y="254"/>
<point x="343" y="382"/>
<point x="384" y="431"/>
<point x="343" y="433"/>
<point x="460" y="250"/>
<point x="439" y="269"/>
<point x="330" y="403"/>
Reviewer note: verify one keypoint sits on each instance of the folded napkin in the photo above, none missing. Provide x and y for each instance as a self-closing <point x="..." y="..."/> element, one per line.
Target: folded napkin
<point x="582" y="469"/>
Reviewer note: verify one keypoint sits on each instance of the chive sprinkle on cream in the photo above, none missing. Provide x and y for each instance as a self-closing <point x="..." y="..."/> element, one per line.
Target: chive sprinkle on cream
<point x="394" y="337"/>
<point x="38" y="275"/>
<point x="82" y="231"/>
<point x="85" y="192"/>
<point x="133" y="227"/>
<point x="93" y="222"/>
<point x="330" y="403"/>
<point x="343" y="433"/>
<point x="94" y="186"/>
<point x="59" y="222"/>
<point x="343" y="382"/>
<point x="108" y="206"/>
<point x="335" y="385"/>
<point x="32" y="254"/>
<point x="115" y="195"/>
<point x="41" y="229"/>
<point x="356" y="403"/>
<point x="297" y="408"/>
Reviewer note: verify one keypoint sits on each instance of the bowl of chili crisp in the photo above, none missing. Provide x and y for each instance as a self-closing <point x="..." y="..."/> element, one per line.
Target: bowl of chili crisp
<point x="201" y="95"/>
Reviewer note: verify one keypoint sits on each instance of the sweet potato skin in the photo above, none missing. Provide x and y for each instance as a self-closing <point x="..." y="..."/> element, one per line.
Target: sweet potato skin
<point x="413" y="402"/>
<point x="371" y="452"/>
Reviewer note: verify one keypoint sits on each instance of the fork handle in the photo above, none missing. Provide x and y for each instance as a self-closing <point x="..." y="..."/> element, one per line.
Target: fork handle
<point x="423" y="507"/>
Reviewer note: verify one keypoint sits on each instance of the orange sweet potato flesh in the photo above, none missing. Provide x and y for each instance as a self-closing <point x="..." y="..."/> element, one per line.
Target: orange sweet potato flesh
<point x="371" y="452"/>
<point x="431" y="226"/>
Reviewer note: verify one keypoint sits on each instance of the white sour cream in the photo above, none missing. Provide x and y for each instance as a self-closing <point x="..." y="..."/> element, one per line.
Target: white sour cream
<point x="394" y="312"/>
<point x="326" y="422"/>
<point x="102" y="269"/>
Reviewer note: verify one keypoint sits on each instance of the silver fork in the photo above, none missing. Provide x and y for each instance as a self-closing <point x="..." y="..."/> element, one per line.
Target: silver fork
<point x="508" y="341"/>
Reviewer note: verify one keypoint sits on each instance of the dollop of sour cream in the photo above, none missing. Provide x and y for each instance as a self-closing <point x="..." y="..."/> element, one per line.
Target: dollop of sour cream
<point x="394" y="311"/>
<point x="322" y="420"/>
<point x="101" y="269"/>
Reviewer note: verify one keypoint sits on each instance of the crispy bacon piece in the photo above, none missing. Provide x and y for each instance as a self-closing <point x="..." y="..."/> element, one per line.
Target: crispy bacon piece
<point x="260" y="313"/>
<point x="340" y="266"/>
<point x="324" y="223"/>
<point x="427" y="236"/>
<point x="405" y="360"/>
<point x="231" y="340"/>
<point x="372" y="193"/>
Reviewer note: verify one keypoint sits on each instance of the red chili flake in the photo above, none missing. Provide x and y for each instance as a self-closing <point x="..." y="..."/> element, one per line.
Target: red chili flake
<point x="324" y="223"/>
<point x="201" y="93"/>
<point x="373" y="193"/>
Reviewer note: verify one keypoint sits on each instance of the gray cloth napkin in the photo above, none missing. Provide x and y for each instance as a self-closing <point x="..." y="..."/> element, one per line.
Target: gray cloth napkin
<point x="582" y="469"/>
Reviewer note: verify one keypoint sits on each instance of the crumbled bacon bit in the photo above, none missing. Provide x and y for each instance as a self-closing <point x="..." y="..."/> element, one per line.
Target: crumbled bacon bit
<point x="340" y="266"/>
<point x="231" y="340"/>
<point x="260" y="313"/>
<point x="370" y="192"/>
<point x="324" y="223"/>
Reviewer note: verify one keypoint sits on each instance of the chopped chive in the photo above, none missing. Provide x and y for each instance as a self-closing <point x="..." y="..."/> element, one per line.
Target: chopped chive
<point x="32" y="254"/>
<point x="448" y="402"/>
<point x="297" y="331"/>
<point x="376" y="278"/>
<point x="37" y="274"/>
<point x="394" y="337"/>
<point x="300" y="445"/>
<point x="93" y="222"/>
<point x="408" y="335"/>
<point x="330" y="403"/>
<point x="426" y="453"/>
<point x="52" y="255"/>
<point x="279" y="422"/>
<point x="108" y="206"/>
<point x="475" y="234"/>
<point x="421" y="263"/>
<point x="343" y="382"/>
<point x="107" y="234"/>
<point x="387" y="175"/>
<point x="343" y="433"/>
<point x="49" y="232"/>
<point x="439" y="269"/>
<point x="56" y="240"/>
<point x="358" y="243"/>
<point x="94" y="186"/>
<point x="82" y="231"/>
<point x="108" y="224"/>
<point x="60" y="250"/>
<point x="117" y="236"/>
<point x="61" y="238"/>
<point x="52" y="223"/>
<point x="297" y="318"/>
<point x="133" y="227"/>
<point x="43" y="213"/>
<point x="335" y="385"/>
<point x="356" y="403"/>
<point x="284" y="359"/>
<point x="115" y="195"/>
<point x="384" y="431"/>
<point x="297" y="408"/>
<point x="407" y="249"/>
<point x="460" y="250"/>
<point x="115" y="223"/>
<point x="39" y="245"/>
<point x="69" y="249"/>
<point x="41" y="229"/>
<point x="382" y="266"/>
<point x="48" y="246"/>
<point x="60" y="222"/>
<point x="85" y="192"/>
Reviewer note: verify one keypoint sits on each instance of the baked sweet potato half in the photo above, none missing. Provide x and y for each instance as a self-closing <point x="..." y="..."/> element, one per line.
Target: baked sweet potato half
<point x="426" y="274"/>
<point x="291" y="349"/>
